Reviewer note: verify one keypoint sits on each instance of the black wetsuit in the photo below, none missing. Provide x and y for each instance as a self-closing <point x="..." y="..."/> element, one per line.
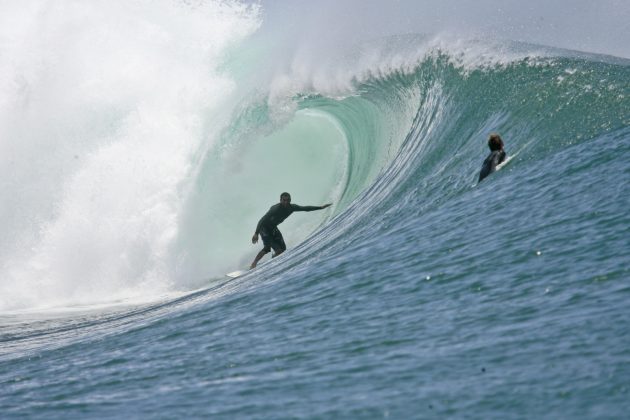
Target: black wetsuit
<point x="268" y="224"/>
<point x="490" y="164"/>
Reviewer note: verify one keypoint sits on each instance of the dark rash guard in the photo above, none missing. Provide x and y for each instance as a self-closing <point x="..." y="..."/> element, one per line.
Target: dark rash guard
<point x="278" y="213"/>
<point x="490" y="164"/>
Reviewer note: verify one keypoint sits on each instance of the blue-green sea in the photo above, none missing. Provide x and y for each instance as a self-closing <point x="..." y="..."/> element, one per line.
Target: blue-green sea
<point x="141" y="143"/>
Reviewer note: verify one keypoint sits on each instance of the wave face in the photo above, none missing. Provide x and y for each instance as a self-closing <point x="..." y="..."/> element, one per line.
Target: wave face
<point x="142" y="142"/>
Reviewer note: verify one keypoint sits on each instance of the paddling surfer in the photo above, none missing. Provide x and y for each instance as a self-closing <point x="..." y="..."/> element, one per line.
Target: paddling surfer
<point x="497" y="155"/>
<point x="268" y="226"/>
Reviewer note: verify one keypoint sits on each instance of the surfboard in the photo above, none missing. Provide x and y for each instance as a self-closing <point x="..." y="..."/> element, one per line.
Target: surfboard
<point x="235" y="274"/>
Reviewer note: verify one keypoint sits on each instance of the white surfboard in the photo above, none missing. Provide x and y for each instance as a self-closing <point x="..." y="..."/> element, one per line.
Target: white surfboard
<point x="235" y="274"/>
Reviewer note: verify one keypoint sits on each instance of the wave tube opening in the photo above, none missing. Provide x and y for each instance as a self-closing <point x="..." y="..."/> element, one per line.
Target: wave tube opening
<point x="239" y="181"/>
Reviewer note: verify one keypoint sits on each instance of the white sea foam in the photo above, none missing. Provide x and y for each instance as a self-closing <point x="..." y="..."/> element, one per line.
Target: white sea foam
<point x="103" y="104"/>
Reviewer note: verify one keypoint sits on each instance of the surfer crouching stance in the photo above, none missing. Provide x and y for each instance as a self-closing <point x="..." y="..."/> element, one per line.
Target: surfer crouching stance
<point x="496" y="156"/>
<point x="268" y="226"/>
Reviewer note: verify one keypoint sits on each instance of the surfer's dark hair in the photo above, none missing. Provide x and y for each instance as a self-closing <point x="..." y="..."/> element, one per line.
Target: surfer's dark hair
<point x="285" y="194"/>
<point x="495" y="142"/>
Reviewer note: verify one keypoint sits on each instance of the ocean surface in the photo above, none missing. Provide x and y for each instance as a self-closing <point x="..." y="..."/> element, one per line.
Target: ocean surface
<point x="139" y="146"/>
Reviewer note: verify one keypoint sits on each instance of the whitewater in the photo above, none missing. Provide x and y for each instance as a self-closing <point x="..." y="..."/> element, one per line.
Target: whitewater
<point x="141" y="142"/>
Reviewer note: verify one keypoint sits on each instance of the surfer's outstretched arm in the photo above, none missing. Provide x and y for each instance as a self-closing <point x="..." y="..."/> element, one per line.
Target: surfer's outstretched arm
<point x="309" y="208"/>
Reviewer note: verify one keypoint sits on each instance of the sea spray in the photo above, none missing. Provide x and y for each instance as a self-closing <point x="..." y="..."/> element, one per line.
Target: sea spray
<point x="103" y="107"/>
